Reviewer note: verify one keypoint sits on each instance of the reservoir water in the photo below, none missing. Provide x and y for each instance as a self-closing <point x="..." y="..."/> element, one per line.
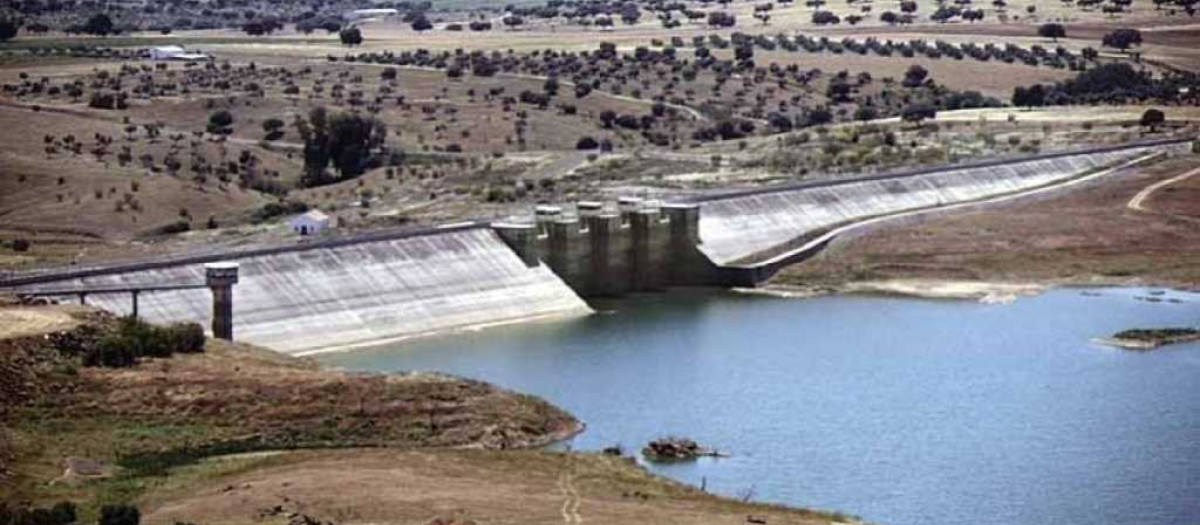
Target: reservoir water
<point x="901" y="411"/>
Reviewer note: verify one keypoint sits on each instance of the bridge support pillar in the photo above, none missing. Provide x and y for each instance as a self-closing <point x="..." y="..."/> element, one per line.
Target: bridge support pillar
<point x="220" y="278"/>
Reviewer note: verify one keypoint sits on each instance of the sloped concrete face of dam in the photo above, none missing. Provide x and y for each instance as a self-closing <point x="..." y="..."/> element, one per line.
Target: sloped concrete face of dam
<point x="756" y="225"/>
<point x="305" y="301"/>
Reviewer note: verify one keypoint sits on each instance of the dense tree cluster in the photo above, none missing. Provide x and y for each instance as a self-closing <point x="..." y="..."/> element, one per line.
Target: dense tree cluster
<point x="346" y="141"/>
<point x="254" y="16"/>
<point x="1114" y="83"/>
<point x="129" y="341"/>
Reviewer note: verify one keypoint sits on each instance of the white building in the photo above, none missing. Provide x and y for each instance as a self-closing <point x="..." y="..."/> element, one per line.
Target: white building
<point x="310" y="223"/>
<point x="361" y="14"/>
<point x="175" y="53"/>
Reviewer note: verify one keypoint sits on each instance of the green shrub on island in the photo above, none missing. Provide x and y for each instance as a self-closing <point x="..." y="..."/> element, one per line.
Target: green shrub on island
<point x="1155" y="335"/>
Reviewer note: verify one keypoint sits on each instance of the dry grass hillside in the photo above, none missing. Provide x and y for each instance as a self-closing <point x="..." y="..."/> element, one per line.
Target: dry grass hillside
<point x="164" y="413"/>
<point x="454" y="487"/>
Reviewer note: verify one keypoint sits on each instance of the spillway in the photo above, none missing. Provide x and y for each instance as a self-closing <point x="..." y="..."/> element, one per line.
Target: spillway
<point x="324" y="298"/>
<point x="746" y="228"/>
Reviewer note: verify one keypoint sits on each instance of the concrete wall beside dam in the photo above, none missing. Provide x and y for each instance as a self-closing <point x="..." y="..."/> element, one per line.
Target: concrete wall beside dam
<point x="744" y="229"/>
<point x="321" y="298"/>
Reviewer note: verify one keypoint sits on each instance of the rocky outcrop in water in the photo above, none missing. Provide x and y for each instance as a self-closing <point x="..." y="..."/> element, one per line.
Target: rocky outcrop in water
<point x="1151" y="338"/>
<point x="675" y="449"/>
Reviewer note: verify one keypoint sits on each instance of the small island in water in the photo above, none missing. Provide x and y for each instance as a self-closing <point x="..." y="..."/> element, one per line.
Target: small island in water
<point x="1151" y="338"/>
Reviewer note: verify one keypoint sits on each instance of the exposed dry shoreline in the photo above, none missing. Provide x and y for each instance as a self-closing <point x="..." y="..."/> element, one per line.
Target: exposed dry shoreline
<point x="987" y="292"/>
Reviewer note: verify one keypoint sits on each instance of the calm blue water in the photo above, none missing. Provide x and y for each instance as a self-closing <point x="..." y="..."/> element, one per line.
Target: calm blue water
<point x="901" y="411"/>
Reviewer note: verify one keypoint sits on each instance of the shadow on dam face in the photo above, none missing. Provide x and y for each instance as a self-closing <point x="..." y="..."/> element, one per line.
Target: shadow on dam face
<point x="371" y="289"/>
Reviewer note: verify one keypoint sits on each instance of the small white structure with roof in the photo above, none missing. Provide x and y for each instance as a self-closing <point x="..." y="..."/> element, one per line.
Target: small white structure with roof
<point x="364" y="14"/>
<point x="310" y="223"/>
<point x="175" y="53"/>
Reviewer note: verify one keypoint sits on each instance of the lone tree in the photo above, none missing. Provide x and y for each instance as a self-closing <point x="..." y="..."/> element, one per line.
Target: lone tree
<point x="273" y="128"/>
<point x="351" y="36"/>
<point x="421" y="23"/>
<point x="1152" y="118"/>
<point x="220" y="123"/>
<point x="1052" y="31"/>
<point x="1123" y="39"/>
<point x="99" y="25"/>
<point x="915" y="76"/>
<point x="512" y="21"/>
<point x="8" y="29"/>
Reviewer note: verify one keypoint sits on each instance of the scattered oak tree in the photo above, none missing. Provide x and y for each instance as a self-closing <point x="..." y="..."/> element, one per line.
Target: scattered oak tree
<point x="1052" y="31"/>
<point x="1123" y="39"/>
<point x="351" y="36"/>
<point x="1152" y="118"/>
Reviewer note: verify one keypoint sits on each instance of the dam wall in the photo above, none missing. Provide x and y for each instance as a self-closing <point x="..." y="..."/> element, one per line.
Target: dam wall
<point x="320" y="298"/>
<point x="744" y="230"/>
<point x="369" y="289"/>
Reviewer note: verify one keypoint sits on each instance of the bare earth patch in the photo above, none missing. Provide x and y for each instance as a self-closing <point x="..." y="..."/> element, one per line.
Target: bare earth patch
<point x="419" y="487"/>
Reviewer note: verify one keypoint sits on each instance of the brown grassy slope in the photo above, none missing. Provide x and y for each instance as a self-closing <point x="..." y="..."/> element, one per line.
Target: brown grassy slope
<point x="1086" y="235"/>
<point x="239" y="394"/>
<point x="86" y="201"/>
<point x="419" y="487"/>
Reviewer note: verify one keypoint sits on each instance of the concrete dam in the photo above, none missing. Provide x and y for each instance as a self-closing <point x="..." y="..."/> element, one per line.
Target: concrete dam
<point x="311" y="299"/>
<point x="364" y="290"/>
<point x="759" y="229"/>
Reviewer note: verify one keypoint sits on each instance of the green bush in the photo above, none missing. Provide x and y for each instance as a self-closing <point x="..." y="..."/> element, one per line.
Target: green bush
<point x="179" y="226"/>
<point x="185" y="338"/>
<point x="62" y="513"/>
<point x="134" y="339"/>
<point x="119" y="515"/>
<point x="276" y="209"/>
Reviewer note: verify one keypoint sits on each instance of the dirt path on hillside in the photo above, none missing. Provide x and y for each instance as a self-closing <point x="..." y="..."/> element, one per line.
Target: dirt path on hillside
<point x="1137" y="202"/>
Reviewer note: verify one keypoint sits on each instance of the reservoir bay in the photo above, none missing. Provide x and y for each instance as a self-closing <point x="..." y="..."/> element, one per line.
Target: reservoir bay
<point x="902" y="411"/>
